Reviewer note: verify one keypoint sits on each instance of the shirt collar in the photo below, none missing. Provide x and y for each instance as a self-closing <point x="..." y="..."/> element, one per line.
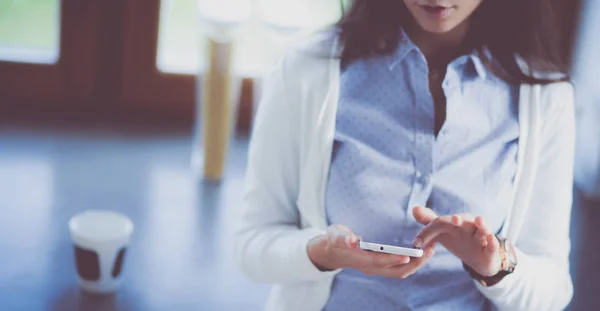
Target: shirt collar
<point x="406" y="46"/>
<point x="478" y="64"/>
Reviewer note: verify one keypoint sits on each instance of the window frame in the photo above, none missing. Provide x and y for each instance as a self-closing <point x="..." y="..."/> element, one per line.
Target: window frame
<point x="141" y="81"/>
<point x="72" y="74"/>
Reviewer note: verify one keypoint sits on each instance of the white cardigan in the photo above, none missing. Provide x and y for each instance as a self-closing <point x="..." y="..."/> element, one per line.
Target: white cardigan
<point x="288" y="166"/>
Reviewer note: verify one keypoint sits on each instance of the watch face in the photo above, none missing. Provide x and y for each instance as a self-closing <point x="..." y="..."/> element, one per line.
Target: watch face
<point x="511" y="254"/>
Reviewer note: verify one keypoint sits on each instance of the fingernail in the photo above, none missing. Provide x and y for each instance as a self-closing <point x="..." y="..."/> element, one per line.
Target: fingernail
<point x="406" y="260"/>
<point x="430" y="252"/>
<point x="417" y="242"/>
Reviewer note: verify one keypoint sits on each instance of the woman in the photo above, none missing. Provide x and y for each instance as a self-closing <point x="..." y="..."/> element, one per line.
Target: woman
<point x="443" y="121"/>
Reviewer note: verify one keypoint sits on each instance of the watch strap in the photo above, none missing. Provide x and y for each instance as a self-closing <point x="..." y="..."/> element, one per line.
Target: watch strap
<point x="507" y="267"/>
<point x="486" y="281"/>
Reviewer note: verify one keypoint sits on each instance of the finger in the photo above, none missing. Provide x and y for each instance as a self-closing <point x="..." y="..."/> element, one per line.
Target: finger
<point x="482" y="225"/>
<point x="389" y="260"/>
<point x="464" y="222"/>
<point x="340" y="236"/>
<point x="481" y="237"/>
<point x="337" y="239"/>
<point x="373" y="260"/>
<point x="493" y="246"/>
<point x="428" y="251"/>
<point x="343" y="228"/>
<point x="410" y="269"/>
<point x="456" y="220"/>
<point x="431" y="231"/>
<point x="467" y="217"/>
<point x="482" y="231"/>
<point x="352" y="241"/>
<point x="431" y="245"/>
<point x="424" y="215"/>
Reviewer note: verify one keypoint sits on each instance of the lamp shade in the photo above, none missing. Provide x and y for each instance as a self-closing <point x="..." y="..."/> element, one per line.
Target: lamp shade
<point x="220" y="19"/>
<point x="299" y="14"/>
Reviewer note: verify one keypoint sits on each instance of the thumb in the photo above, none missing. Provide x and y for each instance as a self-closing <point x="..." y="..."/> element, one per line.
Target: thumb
<point x="424" y="215"/>
<point x="342" y="237"/>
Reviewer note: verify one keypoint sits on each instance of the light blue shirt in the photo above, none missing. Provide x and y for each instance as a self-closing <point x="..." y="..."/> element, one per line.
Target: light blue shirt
<point x="387" y="160"/>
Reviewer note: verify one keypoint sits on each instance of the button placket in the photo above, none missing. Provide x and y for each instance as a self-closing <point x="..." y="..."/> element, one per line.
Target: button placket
<point x="451" y="87"/>
<point x="423" y="151"/>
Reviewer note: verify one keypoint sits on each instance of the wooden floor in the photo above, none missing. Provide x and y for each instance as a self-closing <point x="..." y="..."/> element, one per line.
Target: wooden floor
<point x="181" y="254"/>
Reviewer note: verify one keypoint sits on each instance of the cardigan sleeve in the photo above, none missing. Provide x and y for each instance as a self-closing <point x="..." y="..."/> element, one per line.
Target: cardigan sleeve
<point x="542" y="280"/>
<point x="270" y="246"/>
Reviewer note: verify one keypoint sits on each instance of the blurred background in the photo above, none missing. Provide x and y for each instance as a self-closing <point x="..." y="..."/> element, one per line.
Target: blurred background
<point x="145" y="107"/>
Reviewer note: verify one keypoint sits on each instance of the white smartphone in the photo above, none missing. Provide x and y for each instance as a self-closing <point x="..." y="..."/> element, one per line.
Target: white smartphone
<point x="390" y="249"/>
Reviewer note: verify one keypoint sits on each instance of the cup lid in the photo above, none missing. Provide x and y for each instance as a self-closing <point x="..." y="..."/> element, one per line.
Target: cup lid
<point x="100" y="225"/>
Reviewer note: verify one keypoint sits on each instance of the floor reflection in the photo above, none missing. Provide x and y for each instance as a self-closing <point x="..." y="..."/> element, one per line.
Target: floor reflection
<point x="180" y="257"/>
<point x="26" y="200"/>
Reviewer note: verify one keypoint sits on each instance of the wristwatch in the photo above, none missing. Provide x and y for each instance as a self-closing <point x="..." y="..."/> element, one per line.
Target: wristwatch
<point x="509" y="263"/>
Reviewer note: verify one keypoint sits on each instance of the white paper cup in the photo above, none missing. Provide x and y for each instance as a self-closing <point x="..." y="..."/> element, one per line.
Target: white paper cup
<point x="100" y="239"/>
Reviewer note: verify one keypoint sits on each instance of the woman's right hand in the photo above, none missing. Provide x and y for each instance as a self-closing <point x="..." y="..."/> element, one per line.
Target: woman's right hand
<point x="338" y="249"/>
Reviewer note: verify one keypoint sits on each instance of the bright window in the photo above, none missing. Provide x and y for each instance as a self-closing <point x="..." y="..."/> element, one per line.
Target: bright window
<point x="181" y="49"/>
<point x="30" y="31"/>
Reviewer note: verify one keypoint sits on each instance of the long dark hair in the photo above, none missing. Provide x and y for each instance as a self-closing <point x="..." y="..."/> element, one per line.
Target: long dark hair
<point x="507" y="28"/>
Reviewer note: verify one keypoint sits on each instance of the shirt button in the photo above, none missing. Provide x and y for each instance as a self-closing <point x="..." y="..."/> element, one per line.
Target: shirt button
<point x="422" y="179"/>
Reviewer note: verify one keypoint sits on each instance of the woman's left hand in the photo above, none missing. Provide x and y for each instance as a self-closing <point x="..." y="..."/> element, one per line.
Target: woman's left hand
<point x="464" y="235"/>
